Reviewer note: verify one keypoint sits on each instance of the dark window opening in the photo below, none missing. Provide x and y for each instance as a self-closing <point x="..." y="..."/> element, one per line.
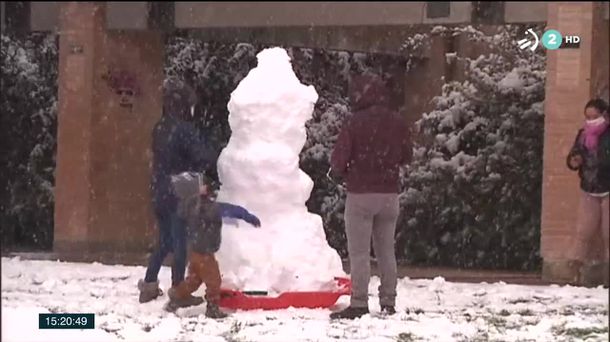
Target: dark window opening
<point x="488" y="12"/>
<point x="16" y="15"/>
<point x="161" y="15"/>
<point x="438" y="9"/>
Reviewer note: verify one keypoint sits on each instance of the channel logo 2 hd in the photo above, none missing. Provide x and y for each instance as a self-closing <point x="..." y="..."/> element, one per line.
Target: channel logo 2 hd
<point x="551" y="40"/>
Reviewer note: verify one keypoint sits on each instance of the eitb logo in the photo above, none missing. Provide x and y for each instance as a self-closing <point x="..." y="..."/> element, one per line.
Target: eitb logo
<point x="527" y="43"/>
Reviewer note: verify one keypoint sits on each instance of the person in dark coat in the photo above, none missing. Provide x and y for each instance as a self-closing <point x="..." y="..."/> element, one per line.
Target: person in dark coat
<point x="371" y="147"/>
<point x="177" y="148"/>
<point x="204" y="220"/>
<point x="590" y="156"/>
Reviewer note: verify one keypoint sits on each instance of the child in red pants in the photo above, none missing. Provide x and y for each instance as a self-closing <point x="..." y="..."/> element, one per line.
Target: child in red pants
<point x="204" y="220"/>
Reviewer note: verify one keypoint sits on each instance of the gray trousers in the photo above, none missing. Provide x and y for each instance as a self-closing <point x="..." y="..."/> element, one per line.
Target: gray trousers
<point x="593" y="223"/>
<point x="373" y="215"/>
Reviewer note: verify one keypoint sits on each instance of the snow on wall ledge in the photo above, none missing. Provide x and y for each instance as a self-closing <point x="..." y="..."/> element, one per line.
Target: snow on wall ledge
<point x="259" y="169"/>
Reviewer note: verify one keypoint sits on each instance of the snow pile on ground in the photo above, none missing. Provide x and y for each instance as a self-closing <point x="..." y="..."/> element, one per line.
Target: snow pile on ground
<point x="259" y="169"/>
<point x="428" y="310"/>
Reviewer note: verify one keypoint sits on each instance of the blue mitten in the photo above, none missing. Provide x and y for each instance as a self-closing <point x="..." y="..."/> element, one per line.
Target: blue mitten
<point x="238" y="212"/>
<point x="253" y="220"/>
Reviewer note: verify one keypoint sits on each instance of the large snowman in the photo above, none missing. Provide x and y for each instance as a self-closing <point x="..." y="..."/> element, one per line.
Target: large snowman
<point x="259" y="169"/>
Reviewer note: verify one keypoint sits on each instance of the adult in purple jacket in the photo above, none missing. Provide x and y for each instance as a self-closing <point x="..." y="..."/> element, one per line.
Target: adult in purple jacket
<point x="371" y="147"/>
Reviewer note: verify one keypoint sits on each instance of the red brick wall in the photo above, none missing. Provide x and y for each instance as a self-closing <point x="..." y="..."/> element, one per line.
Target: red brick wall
<point x="103" y="160"/>
<point x="571" y="76"/>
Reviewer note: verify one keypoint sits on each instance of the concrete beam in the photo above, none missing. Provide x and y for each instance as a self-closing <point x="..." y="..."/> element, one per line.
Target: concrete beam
<point x="289" y="14"/>
<point x="44" y="16"/>
<point x="127" y="15"/>
<point x="371" y="39"/>
<point x="525" y="11"/>
<point x="193" y="15"/>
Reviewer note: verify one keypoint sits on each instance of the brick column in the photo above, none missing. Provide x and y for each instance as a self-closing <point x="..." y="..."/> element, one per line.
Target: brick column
<point x="102" y="199"/>
<point x="570" y="83"/>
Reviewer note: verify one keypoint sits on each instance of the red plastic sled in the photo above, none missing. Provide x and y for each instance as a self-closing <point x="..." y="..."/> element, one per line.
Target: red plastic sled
<point x="238" y="300"/>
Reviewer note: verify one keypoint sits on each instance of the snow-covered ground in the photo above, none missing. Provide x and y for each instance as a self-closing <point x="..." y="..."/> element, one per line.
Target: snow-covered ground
<point x="429" y="310"/>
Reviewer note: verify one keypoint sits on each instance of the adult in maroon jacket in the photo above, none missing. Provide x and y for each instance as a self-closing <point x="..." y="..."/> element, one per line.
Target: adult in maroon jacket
<point x="371" y="147"/>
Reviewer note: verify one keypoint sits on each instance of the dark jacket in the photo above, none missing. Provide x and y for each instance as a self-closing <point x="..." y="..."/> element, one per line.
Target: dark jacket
<point x="177" y="147"/>
<point x="594" y="172"/>
<point x="204" y="222"/>
<point x="373" y="143"/>
<point x="203" y="216"/>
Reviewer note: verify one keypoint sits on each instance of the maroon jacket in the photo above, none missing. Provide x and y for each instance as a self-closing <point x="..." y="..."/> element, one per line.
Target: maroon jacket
<point x="373" y="143"/>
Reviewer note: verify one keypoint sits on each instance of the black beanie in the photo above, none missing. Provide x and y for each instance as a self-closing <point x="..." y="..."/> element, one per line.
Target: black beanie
<point x="178" y="98"/>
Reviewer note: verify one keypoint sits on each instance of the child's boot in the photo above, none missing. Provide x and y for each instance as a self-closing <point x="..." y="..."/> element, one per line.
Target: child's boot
<point x="213" y="311"/>
<point x="176" y="302"/>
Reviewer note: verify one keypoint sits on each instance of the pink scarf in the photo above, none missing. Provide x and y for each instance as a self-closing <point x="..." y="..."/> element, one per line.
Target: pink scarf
<point x="593" y="130"/>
